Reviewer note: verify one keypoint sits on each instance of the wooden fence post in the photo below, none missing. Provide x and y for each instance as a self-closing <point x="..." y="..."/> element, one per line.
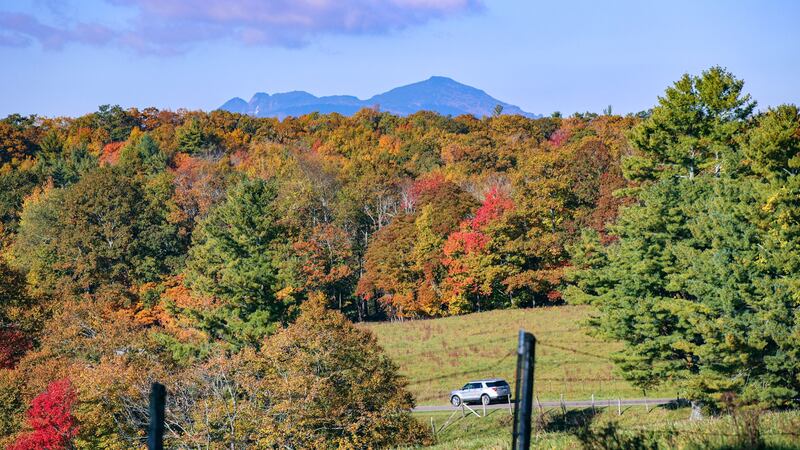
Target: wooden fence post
<point x="526" y="357"/>
<point x="155" y="431"/>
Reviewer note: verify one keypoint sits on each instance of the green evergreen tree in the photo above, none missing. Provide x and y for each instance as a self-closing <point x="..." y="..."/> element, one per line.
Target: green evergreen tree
<point x="772" y="149"/>
<point x="694" y="126"/>
<point x="68" y="167"/>
<point x="14" y="187"/>
<point x="143" y="155"/>
<point x="191" y="139"/>
<point x="235" y="257"/>
<point x="701" y="283"/>
<point x="117" y="122"/>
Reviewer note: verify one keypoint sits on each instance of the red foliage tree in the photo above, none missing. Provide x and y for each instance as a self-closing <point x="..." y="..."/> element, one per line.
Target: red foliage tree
<point x="421" y="190"/>
<point x="13" y="344"/>
<point x="558" y="138"/>
<point x="466" y="270"/>
<point x="111" y="153"/>
<point x="326" y="258"/>
<point x="199" y="185"/>
<point x="495" y="204"/>
<point x="471" y="236"/>
<point x="50" y="416"/>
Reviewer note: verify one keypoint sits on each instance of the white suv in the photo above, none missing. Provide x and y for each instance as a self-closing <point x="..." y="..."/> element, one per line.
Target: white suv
<point x="483" y="391"/>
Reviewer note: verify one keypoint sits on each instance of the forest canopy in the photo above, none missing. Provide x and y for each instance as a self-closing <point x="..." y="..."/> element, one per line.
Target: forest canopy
<point x="189" y="246"/>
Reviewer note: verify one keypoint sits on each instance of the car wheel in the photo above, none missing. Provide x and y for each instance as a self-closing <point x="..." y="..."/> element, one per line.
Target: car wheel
<point x="485" y="399"/>
<point x="455" y="400"/>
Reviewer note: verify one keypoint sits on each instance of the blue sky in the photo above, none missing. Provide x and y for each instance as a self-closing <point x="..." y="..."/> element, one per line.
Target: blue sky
<point x="67" y="57"/>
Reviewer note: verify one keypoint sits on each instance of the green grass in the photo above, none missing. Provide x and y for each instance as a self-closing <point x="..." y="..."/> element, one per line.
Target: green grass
<point x="442" y="354"/>
<point x="557" y="431"/>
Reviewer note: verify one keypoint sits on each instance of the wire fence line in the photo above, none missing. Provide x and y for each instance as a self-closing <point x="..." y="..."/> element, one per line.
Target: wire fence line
<point x="539" y="363"/>
<point x="465" y="372"/>
<point x="573" y="350"/>
<point x="561" y="382"/>
<point x="590" y="408"/>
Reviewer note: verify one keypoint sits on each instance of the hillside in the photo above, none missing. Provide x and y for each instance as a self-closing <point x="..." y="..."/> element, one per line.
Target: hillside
<point x="440" y="94"/>
<point x="442" y="354"/>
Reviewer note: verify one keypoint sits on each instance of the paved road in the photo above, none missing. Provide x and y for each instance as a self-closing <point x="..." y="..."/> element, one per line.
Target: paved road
<point x="569" y="404"/>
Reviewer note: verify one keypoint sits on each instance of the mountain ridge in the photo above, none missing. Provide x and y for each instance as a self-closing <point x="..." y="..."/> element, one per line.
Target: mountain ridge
<point x="438" y="93"/>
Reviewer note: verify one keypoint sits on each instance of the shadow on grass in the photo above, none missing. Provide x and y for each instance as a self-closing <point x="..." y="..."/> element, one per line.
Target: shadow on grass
<point x="676" y="404"/>
<point x="569" y="421"/>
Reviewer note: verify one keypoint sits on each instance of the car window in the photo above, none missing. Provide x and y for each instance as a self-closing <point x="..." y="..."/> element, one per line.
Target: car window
<point x="476" y="386"/>
<point x="467" y="386"/>
<point x="497" y="384"/>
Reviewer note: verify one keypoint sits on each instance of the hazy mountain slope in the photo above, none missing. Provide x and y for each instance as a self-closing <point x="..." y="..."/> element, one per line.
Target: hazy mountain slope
<point x="440" y="94"/>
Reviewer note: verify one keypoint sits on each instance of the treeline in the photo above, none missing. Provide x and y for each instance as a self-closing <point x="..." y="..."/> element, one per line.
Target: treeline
<point x="388" y="217"/>
<point x="179" y="246"/>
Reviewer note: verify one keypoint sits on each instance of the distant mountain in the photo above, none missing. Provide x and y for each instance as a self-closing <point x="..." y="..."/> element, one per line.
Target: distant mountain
<point x="441" y="94"/>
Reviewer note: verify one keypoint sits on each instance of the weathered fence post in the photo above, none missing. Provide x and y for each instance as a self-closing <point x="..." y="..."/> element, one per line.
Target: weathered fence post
<point x="697" y="411"/>
<point x="155" y="432"/>
<point x="526" y="356"/>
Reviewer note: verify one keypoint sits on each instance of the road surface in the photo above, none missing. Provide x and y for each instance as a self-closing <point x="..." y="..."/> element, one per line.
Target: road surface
<point x="568" y="404"/>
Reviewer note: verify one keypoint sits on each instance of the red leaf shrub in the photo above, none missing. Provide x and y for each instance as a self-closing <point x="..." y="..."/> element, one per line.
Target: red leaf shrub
<point x="50" y="416"/>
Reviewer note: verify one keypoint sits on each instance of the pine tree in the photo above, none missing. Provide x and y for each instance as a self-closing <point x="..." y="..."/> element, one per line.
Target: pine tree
<point x="694" y="126"/>
<point x="235" y="257"/>
<point x="191" y="139"/>
<point x="701" y="283"/>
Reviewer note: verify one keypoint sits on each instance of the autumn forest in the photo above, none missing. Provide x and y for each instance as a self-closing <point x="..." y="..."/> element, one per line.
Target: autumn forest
<point x="232" y="258"/>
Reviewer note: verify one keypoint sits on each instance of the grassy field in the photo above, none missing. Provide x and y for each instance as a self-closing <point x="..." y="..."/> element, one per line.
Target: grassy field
<point x="670" y="427"/>
<point x="442" y="354"/>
